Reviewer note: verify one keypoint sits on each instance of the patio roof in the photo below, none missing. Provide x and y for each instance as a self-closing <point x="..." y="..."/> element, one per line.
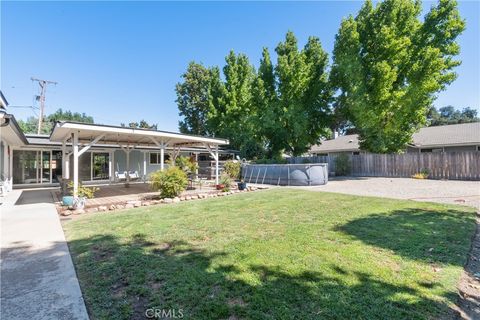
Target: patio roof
<point x="127" y="139"/>
<point x="115" y="135"/>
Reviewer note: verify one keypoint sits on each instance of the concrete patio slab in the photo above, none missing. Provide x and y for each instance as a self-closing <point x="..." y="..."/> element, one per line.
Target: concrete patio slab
<point x="38" y="280"/>
<point x="441" y="191"/>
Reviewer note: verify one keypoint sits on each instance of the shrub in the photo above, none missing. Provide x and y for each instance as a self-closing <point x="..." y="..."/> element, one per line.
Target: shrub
<point x="170" y="182"/>
<point x="343" y="166"/>
<point x="423" y="174"/>
<point x="226" y="181"/>
<point x="186" y="164"/>
<point x="277" y="160"/>
<point x="232" y="168"/>
<point x="84" y="192"/>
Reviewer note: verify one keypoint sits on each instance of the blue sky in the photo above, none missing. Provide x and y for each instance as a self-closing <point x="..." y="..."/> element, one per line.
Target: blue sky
<point x="120" y="61"/>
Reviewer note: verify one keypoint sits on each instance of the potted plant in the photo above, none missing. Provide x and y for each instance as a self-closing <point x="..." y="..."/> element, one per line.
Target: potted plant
<point x="242" y="185"/>
<point x="78" y="202"/>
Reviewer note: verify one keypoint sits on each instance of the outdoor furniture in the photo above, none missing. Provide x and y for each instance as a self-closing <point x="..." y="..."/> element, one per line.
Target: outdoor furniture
<point x="133" y="175"/>
<point x="120" y="176"/>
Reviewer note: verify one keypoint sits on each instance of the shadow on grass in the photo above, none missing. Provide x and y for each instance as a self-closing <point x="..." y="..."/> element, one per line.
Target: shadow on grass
<point x="438" y="237"/>
<point x="121" y="278"/>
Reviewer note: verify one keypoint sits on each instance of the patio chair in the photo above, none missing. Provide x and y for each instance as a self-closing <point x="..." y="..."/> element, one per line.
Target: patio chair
<point x="120" y="176"/>
<point x="134" y="175"/>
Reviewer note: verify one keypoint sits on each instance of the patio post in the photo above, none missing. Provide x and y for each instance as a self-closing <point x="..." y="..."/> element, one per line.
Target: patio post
<point x="162" y="156"/>
<point x="144" y="165"/>
<point x="216" y="164"/>
<point x="75" y="163"/>
<point x="127" y="180"/>
<point x="64" y="155"/>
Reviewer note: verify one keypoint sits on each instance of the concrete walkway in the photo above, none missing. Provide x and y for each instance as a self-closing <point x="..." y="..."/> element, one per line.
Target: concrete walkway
<point x="38" y="280"/>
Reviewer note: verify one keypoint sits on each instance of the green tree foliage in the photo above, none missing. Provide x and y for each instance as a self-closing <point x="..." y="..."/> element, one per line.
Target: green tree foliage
<point x="194" y="98"/>
<point x="303" y="94"/>
<point x="389" y="66"/>
<point x="450" y="115"/>
<point x="31" y="124"/>
<point x="142" y="125"/>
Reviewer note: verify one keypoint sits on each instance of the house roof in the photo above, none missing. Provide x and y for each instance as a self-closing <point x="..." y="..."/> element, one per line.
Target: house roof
<point x="115" y="135"/>
<point x="339" y="144"/>
<point x="450" y="135"/>
<point x="3" y="101"/>
<point x="463" y="134"/>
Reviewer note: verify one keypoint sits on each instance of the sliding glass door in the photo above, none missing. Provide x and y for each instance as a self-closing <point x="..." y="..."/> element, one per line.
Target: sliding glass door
<point x="100" y="166"/>
<point x="36" y="166"/>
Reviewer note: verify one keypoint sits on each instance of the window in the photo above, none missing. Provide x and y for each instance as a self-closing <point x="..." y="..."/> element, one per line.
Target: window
<point x="356" y="153"/>
<point x="155" y="157"/>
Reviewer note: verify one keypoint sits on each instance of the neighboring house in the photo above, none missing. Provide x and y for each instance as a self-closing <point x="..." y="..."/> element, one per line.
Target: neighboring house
<point x="449" y="138"/>
<point x="104" y="153"/>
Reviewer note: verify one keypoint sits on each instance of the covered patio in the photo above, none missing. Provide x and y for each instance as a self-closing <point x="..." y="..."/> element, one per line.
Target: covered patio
<point x="78" y="138"/>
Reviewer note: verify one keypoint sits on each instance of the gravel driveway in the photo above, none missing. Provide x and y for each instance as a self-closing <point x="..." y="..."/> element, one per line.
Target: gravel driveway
<point x="443" y="191"/>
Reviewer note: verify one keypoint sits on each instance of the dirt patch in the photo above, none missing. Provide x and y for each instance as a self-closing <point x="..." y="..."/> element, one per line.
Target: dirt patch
<point x="468" y="305"/>
<point x="236" y="302"/>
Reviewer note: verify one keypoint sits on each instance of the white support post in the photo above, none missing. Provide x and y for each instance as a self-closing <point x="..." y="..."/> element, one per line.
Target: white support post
<point x="75" y="164"/>
<point x="64" y="155"/>
<point x="216" y="165"/>
<point x="162" y="145"/>
<point x="162" y="157"/>
<point x="144" y="165"/>
<point x="127" y="151"/>
<point x="110" y="165"/>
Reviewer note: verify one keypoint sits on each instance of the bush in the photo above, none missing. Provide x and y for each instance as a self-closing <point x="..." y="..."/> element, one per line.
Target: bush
<point x="186" y="164"/>
<point x="232" y="168"/>
<point x="226" y="181"/>
<point x="423" y="174"/>
<point x="343" y="166"/>
<point x="83" y="192"/>
<point x="278" y="160"/>
<point x="170" y="182"/>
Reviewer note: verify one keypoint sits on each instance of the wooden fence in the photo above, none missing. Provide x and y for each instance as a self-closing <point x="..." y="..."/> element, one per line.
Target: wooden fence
<point x="441" y="165"/>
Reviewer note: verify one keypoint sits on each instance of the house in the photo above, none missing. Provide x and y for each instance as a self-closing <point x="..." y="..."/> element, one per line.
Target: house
<point x="449" y="138"/>
<point x="95" y="153"/>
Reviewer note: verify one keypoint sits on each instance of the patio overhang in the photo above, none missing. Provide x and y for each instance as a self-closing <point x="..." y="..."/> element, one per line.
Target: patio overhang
<point x="83" y="136"/>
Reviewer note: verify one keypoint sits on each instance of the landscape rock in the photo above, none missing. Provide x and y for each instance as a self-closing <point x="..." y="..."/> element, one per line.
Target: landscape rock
<point x="168" y="200"/>
<point x="102" y="208"/>
<point x="146" y="203"/>
<point x="66" y="213"/>
<point x="112" y="207"/>
<point x="176" y="199"/>
<point x="119" y="206"/>
<point x="129" y="206"/>
<point x="78" y="211"/>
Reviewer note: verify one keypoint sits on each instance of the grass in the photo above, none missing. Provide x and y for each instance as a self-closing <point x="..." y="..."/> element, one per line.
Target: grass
<point x="277" y="254"/>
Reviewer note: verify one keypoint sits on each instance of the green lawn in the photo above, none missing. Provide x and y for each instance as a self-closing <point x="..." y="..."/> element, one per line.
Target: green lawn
<point x="276" y="254"/>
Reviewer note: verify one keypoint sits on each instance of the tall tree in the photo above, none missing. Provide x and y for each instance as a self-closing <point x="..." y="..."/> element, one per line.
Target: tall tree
<point x="142" y="125"/>
<point x="450" y="115"/>
<point x="193" y="99"/>
<point x="389" y="66"/>
<point x="31" y="124"/>
<point x="237" y="112"/>
<point x="303" y="94"/>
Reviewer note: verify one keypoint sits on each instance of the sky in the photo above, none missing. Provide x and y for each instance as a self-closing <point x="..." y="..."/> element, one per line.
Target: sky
<point x="120" y="61"/>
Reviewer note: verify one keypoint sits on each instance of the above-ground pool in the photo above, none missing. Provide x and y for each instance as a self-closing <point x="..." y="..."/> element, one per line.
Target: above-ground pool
<point x="309" y="174"/>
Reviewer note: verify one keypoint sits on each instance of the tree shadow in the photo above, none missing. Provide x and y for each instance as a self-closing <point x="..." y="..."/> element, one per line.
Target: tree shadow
<point x="424" y="235"/>
<point x="122" y="278"/>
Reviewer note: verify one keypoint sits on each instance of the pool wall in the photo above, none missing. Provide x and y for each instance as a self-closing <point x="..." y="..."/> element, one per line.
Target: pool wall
<point x="311" y="174"/>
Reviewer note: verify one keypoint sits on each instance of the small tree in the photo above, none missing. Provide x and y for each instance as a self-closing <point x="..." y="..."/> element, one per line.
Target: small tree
<point x="170" y="182"/>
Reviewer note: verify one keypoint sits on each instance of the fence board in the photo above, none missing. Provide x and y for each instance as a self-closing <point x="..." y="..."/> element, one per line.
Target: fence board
<point x="441" y="165"/>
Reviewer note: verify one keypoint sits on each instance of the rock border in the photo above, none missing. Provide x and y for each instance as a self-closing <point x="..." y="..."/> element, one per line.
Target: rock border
<point x="64" y="211"/>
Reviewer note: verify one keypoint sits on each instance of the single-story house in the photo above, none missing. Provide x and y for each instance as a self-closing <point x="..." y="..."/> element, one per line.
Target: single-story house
<point x="449" y="138"/>
<point x="95" y="153"/>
